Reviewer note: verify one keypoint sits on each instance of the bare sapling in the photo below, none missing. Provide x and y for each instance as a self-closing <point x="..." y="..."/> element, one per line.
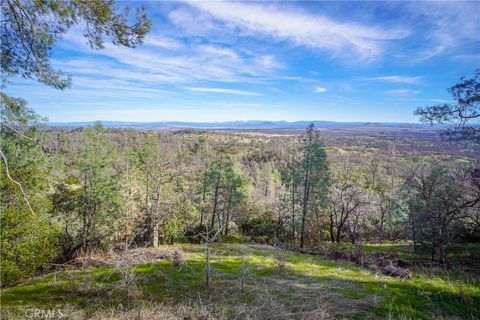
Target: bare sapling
<point x="208" y="237"/>
<point x="244" y="274"/>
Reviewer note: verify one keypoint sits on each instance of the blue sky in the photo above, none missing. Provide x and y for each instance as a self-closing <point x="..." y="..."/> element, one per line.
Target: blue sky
<point x="221" y="61"/>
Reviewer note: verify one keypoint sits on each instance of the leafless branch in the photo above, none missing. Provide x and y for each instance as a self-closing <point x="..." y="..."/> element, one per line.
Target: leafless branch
<point x="7" y="172"/>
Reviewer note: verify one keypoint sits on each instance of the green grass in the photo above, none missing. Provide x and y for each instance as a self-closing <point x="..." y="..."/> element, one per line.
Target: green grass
<point x="457" y="255"/>
<point x="279" y="285"/>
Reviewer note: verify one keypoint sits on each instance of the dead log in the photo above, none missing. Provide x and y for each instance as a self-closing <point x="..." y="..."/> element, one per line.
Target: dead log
<point x="397" y="272"/>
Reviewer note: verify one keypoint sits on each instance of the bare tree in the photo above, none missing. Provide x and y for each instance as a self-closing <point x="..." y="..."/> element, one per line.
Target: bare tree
<point x="208" y="237"/>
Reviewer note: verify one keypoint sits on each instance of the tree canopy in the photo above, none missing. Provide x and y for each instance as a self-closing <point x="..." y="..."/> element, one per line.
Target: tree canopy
<point x="30" y="29"/>
<point x="465" y="111"/>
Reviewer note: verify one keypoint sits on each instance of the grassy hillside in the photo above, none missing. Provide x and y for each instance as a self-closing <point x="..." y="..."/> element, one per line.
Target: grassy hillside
<point x="277" y="285"/>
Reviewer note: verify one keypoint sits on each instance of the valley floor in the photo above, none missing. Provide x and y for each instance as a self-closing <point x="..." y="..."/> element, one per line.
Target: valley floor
<point x="277" y="285"/>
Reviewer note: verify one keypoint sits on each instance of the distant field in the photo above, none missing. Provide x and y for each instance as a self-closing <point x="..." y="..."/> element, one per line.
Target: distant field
<point x="404" y="138"/>
<point x="408" y="139"/>
<point x="278" y="285"/>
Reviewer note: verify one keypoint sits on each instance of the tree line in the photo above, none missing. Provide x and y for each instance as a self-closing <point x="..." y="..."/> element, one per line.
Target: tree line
<point x="95" y="188"/>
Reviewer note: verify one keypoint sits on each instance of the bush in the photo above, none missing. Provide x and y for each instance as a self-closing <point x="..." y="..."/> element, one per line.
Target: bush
<point x="261" y="230"/>
<point x="173" y="226"/>
<point x="234" y="238"/>
<point x="28" y="242"/>
<point x="263" y="239"/>
<point x="192" y="234"/>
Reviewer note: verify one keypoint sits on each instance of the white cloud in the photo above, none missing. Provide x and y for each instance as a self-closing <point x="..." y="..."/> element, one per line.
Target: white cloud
<point x="114" y="85"/>
<point x="192" y="63"/>
<point x="439" y="100"/>
<point x="402" y="92"/>
<point x="446" y="26"/>
<point x="397" y="79"/>
<point x="267" y="62"/>
<point x="223" y="90"/>
<point x="195" y="23"/>
<point x="218" y="51"/>
<point x="314" y="31"/>
<point x="319" y="89"/>
<point x="162" y="42"/>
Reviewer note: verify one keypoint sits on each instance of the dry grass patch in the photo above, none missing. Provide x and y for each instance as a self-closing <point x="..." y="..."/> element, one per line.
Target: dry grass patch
<point x="130" y="257"/>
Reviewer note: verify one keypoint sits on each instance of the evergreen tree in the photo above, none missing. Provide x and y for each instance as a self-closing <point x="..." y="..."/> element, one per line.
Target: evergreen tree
<point x="28" y="239"/>
<point x="315" y="179"/>
<point x="100" y="200"/>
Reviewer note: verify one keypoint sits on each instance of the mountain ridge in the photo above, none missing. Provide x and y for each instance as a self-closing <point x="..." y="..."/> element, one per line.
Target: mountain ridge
<point x="238" y="124"/>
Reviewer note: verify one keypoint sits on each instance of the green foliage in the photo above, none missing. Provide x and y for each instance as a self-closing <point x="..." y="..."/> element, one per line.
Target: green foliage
<point x="28" y="242"/>
<point x="192" y="234"/>
<point x="66" y="210"/>
<point x="234" y="238"/>
<point x="28" y="239"/>
<point x="173" y="227"/>
<point x="465" y="112"/>
<point x="315" y="178"/>
<point x="88" y="210"/>
<point x="224" y="183"/>
<point x="261" y="230"/>
<point x="28" y="34"/>
<point x="30" y="30"/>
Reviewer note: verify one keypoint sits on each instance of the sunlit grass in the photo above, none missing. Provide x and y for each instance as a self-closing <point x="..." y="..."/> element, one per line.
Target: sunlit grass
<point x="304" y="280"/>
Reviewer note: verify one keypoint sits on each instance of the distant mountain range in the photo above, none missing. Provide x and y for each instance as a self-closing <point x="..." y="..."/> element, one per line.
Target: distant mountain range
<point x="248" y="124"/>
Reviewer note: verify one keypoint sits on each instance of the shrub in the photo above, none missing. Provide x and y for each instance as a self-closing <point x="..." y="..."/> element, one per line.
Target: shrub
<point x="234" y="238"/>
<point x="192" y="234"/>
<point x="173" y="226"/>
<point x="28" y="242"/>
<point x="262" y="230"/>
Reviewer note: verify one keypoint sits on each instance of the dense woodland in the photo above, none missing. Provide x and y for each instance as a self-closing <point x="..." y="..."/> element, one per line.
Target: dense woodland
<point x="92" y="188"/>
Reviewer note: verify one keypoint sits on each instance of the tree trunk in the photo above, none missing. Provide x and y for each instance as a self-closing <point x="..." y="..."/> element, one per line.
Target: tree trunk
<point x="332" y="236"/>
<point x="204" y="191"/>
<point x="414" y="238"/>
<point x="207" y="263"/>
<point x="382" y="217"/>
<point x="306" y="191"/>
<point x="293" y="202"/>
<point x="434" y="243"/>
<point x="339" y="232"/>
<point x="215" y="199"/>
<point x="147" y="213"/>
<point x="227" y="220"/>
<point x="155" y="229"/>
<point x="304" y="211"/>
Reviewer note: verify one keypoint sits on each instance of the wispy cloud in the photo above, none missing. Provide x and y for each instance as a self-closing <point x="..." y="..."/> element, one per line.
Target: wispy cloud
<point x="397" y="79"/>
<point x="445" y="26"/>
<point x="439" y="100"/>
<point x="319" y="90"/>
<point x="219" y="51"/>
<point x="223" y="90"/>
<point x="402" y="92"/>
<point x="265" y="60"/>
<point x="314" y="31"/>
<point x="193" y="63"/>
<point x="163" y="42"/>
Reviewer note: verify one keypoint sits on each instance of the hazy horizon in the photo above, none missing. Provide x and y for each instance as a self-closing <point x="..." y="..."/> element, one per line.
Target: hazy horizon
<point x="238" y="121"/>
